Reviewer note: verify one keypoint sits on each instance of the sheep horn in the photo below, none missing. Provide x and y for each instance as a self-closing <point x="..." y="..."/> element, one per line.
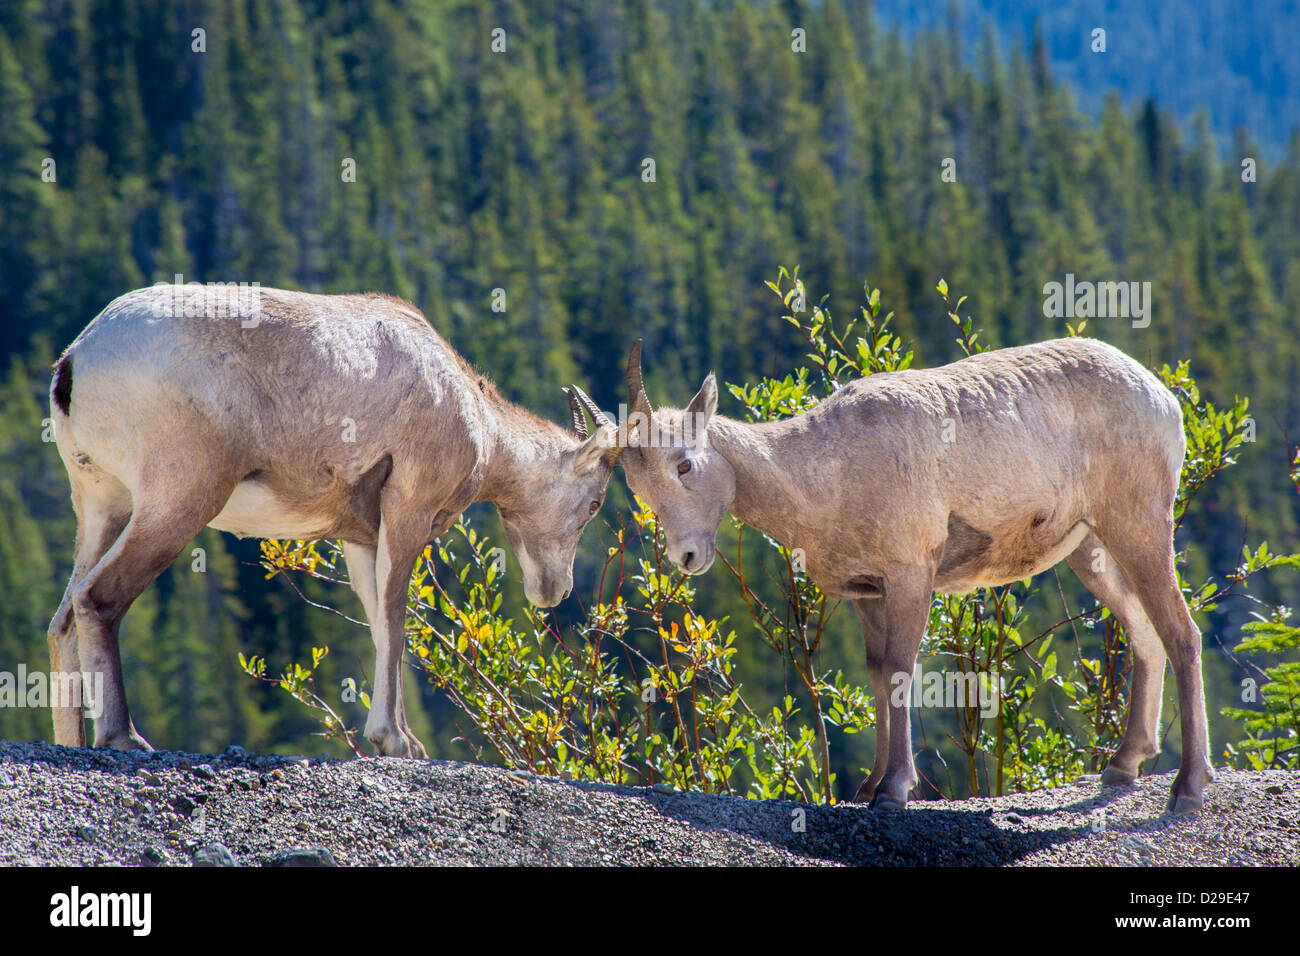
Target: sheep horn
<point x="576" y="418"/>
<point x="635" y="383"/>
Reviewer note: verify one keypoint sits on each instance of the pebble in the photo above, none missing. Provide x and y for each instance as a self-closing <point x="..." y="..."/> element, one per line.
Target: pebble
<point x="1143" y="847"/>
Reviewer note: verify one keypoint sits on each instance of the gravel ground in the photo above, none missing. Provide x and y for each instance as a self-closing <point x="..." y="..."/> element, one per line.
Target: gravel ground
<point x="63" y="806"/>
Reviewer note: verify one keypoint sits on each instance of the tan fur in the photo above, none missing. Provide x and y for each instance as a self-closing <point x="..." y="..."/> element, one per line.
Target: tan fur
<point x="341" y="416"/>
<point x="975" y="474"/>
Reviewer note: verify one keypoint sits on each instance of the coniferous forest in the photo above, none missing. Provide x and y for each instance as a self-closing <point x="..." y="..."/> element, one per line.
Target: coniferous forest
<point x="549" y="183"/>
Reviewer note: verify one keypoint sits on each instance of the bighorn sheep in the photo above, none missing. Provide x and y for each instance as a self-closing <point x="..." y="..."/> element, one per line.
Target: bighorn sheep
<point x="975" y="474"/>
<point x="299" y="416"/>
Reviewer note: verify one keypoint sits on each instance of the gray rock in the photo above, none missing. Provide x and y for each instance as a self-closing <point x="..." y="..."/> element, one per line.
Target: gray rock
<point x="152" y="856"/>
<point x="184" y="805"/>
<point x="307" y="856"/>
<point x="1138" y="844"/>
<point x="214" y="854"/>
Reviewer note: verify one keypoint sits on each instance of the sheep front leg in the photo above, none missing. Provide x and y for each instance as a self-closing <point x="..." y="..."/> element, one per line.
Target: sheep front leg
<point x="402" y="535"/>
<point x="871" y="614"/>
<point x="905" y="610"/>
<point x="361" y="572"/>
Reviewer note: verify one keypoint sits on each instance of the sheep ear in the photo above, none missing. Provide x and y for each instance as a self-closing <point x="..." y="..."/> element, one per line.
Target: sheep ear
<point x="594" y="449"/>
<point x="704" y="404"/>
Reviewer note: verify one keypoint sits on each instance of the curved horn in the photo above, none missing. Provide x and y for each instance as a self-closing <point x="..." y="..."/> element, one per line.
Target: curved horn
<point x="576" y="418"/>
<point x="613" y="452"/>
<point x="635" y="384"/>
<point x="599" y="417"/>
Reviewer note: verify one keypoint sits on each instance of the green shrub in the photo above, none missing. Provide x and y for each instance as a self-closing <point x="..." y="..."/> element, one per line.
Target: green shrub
<point x="644" y="689"/>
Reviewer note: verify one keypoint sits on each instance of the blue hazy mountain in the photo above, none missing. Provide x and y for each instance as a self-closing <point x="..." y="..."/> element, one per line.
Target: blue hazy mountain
<point x="1240" y="62"/>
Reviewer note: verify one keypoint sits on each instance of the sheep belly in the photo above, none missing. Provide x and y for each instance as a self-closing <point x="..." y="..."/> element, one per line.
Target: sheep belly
<point x="253" y="511"/>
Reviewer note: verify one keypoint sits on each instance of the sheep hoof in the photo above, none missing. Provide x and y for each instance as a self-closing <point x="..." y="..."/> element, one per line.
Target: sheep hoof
<point x="417" y="748"/>
<point x="1183" y="806"/>
<point x="883" y="801"/>
<point x="124" y="740"/>
<point x="1113" y="776"/>
<point x="388" y="742"/>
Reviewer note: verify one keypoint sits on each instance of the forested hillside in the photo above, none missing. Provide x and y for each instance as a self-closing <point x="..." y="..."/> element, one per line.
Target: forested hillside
<point x="621" y="170"/>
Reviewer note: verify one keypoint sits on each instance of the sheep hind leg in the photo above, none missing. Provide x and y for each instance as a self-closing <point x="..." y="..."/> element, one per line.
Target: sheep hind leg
<point x="1102" y="576"/>
<point x="162" y="523"/>
<point x="103" y="511"/>
<point x="1146" y="556"/>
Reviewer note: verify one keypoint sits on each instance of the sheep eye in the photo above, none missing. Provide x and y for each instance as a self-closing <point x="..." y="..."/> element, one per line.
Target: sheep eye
<point x="595" y="506"/>
<point x="683" y="466"/>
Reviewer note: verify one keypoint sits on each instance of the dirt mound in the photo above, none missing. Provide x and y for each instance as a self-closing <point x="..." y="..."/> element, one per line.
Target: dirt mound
<point x="63" y="806"/>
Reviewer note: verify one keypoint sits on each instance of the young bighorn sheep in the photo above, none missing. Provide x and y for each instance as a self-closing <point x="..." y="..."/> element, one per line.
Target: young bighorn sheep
<point x="975" y="474"/>
<point x="298" y="416"/>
